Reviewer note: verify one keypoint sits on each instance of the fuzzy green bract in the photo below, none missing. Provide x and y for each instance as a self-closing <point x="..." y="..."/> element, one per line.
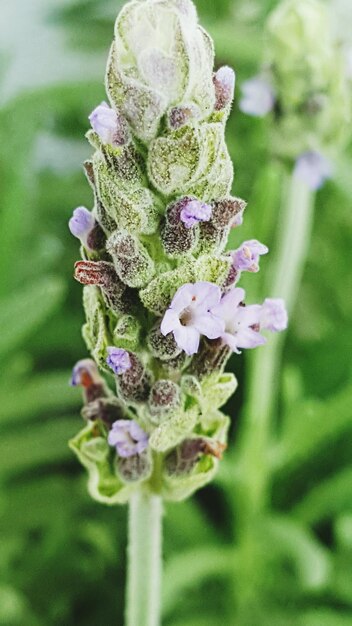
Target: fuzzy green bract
<point x="160" y="69"/>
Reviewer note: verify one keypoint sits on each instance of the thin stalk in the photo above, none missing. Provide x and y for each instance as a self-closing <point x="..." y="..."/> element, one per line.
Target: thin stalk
<point x="292" y="244"/>
<point x="144" y="560"/>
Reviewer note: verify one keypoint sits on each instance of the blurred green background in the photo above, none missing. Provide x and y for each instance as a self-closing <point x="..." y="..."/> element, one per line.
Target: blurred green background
<point x="62" y="556"/>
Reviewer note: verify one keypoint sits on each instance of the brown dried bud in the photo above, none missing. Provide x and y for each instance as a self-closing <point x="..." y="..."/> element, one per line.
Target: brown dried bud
<point x="107" y="409"/>
<point x="183" y="458"/>
<point x="225" y="211"/>
<point x="176" y="238"/>
<point x="103" y="275"/>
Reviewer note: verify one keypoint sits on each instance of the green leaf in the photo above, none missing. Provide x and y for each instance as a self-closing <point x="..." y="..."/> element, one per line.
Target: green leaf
<point x="23" y="312"/>
<point x="35" y="444"/>
<point x="190" y="569"/>
<point x="311" y="560"/>
<point x="311" y="426"/>
<point x="40" y="394"/>
<point x="330" y="498"/>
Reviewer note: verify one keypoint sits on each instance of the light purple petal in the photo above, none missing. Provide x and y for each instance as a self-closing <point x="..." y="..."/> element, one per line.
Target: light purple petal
<point x="104" y="122"/>
<point x="249" y="315"/>
<point x="194" y="212"/>
<point x="182" y="298"/>
<point x="169" y="322"/>
<point x="209" y="325"/>
<point x="273" y="315"/>
<point x="187" y="338"/>
<point x="249" y="338"/>
<point x="207" y="294"/>
<point x="81" y="223"/>
<point x="128" y="438"/>
<point x="229" y="303"/>
<point x="118" y="359"/>
<point x="258" y="97"/>
<point x="313" y="169"/>
<point x="246" y="257"/>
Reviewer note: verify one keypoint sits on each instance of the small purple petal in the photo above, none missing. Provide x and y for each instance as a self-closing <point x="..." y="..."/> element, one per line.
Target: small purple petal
<point x="258" y="97"/>
<point x="224" y="82"/>
<point x="110" y="126"/>
<point x="313" y="169"/>
<point x="246" y="257"/>
<point x="195" y="211"/>
<point x="240" y="321"/>
<point x="119" y="360"/>
<point x="81" y="224"/>
<point x="128" y="438"/>
<point x="273" y="315"/>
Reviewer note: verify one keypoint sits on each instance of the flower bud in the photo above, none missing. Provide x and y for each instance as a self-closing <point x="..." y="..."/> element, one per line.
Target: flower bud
<point x="163" y="348"/>
<point x="145" y="80"/>
<point x="118" y="359"/>
<point x="132" y="262"/>
<point x="85" y="374"/>
<point x="83" y="226"/>
<point x="224" y="82"/>
<point x="134" y="384"/>
<point x="183" y="459"/>
<point x="164" y="398"/>
<point x="109" y="125"/>
<point x="103" y="275"/>
<point x="181" y="116"/>
<point x="177" y="235"/>
<point x="134" y="468"/>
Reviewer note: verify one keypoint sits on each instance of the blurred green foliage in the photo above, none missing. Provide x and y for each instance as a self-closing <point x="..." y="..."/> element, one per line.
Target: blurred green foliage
<point x="62" y="556"/>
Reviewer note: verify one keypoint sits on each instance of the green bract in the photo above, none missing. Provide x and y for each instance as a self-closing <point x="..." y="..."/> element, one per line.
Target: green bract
<point x="159" y="79"/>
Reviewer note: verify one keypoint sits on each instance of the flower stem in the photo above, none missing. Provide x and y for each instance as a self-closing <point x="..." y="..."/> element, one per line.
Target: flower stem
<point x="144" y="560"/>
<point x="292" y="246"/>
<point x="292" y="243"/>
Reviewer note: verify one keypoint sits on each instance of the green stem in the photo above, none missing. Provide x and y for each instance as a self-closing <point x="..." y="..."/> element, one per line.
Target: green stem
<point x="292" y="243"/>
<point x="144" y="560"/>
<point x="293" y="239"/>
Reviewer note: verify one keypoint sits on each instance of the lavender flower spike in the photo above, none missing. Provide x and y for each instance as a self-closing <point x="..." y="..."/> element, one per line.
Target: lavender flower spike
<point x="240" y="321"/>
<point x="258" y="97"/>
<point x="313" y="169"/>
<point x="128" y="438"/>
<point x="118" y="359"/>
<point x="108" y="125"/>
<point x="81" y="224"/>
<point x="195" y="211"/>
<point x="189" y="315"/>
<point x="273" y="315"/>
<point x="246" y="257"/>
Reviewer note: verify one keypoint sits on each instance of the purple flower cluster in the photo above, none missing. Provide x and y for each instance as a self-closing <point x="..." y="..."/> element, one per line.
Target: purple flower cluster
<point x="201" y="309"/>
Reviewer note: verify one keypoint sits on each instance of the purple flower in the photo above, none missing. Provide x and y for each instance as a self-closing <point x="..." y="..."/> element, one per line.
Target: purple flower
<point x="273" y="315"/>
<point x="81" y="224"/>
<point x="224" y="82"/>
<point x="85" y="373"/>
<point x="110" y="126"/>
<point x="118" y="359"/>
<point x="313" y="169"/>
<point x="258" y="97"/>
<point x="189" y="315"/>
<point x="128" y="438"/>
<point x="195" y="211"/>
<point x="246" y="257"/>
<point x="240" y="321"/>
